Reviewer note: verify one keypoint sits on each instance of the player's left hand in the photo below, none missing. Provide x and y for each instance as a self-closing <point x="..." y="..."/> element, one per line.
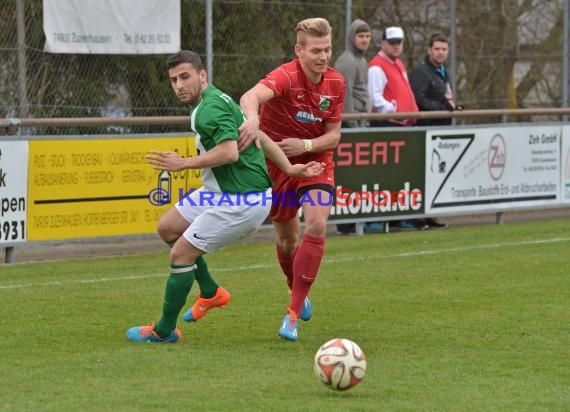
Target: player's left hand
<point x="292" y="147"/>
<point x="169" y="161"/>
<point x="311" y="169"/>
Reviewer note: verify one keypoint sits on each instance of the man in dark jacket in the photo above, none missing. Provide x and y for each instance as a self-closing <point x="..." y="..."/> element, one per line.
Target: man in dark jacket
<point x="431" y="83"/>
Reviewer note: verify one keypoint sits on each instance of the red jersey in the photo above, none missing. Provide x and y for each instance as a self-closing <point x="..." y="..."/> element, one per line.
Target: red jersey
<point x="300" y="109"/>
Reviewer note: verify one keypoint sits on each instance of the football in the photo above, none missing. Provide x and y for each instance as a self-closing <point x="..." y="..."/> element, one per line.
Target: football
<point x="340" y="364"/>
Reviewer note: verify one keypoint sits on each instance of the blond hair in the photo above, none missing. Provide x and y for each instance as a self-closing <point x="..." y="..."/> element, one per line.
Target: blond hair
<point x="317" y="27"/>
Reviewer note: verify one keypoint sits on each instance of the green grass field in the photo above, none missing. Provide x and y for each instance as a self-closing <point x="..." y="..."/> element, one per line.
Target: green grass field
<point x="461" y="319"/>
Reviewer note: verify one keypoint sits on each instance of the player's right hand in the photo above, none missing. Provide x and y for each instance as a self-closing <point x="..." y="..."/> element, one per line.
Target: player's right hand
<point x="169" y="161"/>
<point x="248" y="134"/>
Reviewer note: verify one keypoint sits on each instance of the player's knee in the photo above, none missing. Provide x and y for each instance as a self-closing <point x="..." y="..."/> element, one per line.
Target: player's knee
<point x="162" y="227"/>
<point x="316" y="227"/>
<point x="166" y="231"/>
<point x="179" y="257"/>
<point x="287" y="245"/>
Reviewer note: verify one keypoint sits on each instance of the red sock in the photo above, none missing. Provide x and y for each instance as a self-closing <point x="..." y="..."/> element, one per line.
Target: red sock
<point x="305" y="267"/>
<point x="286" y="262"/>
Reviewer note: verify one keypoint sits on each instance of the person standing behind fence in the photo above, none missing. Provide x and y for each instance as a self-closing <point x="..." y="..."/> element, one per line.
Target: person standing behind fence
<point x="431" y="82"/>
<point x="353" y="66"/>
<point x="390" y="90"/>
<point x="388" y="83"/>
<point x="301" y="109"/>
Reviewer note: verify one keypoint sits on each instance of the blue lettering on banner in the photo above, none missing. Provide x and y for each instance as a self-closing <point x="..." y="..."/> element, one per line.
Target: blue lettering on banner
<point x="182" y="196"/>
<point x="287" y="198"/>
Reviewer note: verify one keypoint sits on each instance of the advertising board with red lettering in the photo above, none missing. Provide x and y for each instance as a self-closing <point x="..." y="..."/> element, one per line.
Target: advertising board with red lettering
<point x="379" y="173"/>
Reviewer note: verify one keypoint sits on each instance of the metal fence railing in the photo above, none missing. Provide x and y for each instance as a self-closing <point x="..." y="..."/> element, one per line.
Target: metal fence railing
<point x="13" y="126"/>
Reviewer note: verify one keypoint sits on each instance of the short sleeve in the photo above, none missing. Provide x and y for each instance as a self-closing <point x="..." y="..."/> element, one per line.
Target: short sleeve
<point x="218" y="122"/>
<point x="278" y="81"/>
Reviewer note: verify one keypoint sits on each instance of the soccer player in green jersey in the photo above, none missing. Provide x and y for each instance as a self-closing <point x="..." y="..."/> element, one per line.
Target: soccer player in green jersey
<point x="232" y="203"/>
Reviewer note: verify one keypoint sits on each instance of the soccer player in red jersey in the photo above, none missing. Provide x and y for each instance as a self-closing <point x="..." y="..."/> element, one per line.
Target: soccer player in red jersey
<point x="301" y="105"/>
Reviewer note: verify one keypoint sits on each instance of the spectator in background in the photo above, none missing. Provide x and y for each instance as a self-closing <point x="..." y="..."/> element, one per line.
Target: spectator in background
<point x="431" y="84"/>
<point x="353" y="66"/>
<point x="388" y="83"/>
<point x="389" y="88"/>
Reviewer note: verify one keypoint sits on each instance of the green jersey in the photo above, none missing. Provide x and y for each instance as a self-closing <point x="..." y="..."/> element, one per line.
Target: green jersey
<point x="216" y="118"/>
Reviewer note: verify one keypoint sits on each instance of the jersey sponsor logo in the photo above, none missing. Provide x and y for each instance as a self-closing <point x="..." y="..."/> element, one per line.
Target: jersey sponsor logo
<point x="324" y="102"/>
<point x="306" y="117"/>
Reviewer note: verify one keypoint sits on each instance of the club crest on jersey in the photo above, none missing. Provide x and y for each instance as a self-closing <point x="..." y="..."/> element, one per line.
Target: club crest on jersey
<point x="324" y="102"/>
<point x="306" y="117"/>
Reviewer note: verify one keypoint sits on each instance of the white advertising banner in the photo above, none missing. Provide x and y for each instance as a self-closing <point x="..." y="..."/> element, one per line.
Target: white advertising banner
<point x="492" y="168"/>
<point x="565" y="172"/>
<point x="112" y="26"/>
<point x="13" y="191"/>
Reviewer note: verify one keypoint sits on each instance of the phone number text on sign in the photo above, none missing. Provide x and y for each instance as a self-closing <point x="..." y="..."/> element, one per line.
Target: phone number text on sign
<point x="12" y="230"/>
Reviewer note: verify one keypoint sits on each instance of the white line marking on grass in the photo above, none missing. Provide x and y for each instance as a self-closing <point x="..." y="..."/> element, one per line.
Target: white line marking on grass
<point x="454" y="249"/>
<point x="78" y="281"/>
<point x="269" y="266"/>
<point x="118" y="278"/>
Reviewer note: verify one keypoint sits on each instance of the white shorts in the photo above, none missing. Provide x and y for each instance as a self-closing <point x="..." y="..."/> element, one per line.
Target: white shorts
<point x="222" y="219"/>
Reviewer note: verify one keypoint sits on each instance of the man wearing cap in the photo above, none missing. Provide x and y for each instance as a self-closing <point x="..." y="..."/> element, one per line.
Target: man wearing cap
<point x="390" y="90"/>
<point x="388" y="83"/>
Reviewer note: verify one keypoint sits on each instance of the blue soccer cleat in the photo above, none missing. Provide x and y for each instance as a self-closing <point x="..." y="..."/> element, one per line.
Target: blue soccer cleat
<point x="307" y="310"/>
<point x="146" y="334"/>
<point x="289" y="327"/>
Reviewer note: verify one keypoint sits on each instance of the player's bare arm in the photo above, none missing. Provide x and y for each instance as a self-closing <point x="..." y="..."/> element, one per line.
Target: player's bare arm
<point x="224" y="153"/>
<point x="327" y="141"/>
<point x="250" y="103"/>
<point x="276" y="155"/>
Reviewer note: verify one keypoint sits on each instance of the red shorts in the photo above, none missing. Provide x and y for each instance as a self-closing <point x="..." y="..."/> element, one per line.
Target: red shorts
<point x="287" y="189"/>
